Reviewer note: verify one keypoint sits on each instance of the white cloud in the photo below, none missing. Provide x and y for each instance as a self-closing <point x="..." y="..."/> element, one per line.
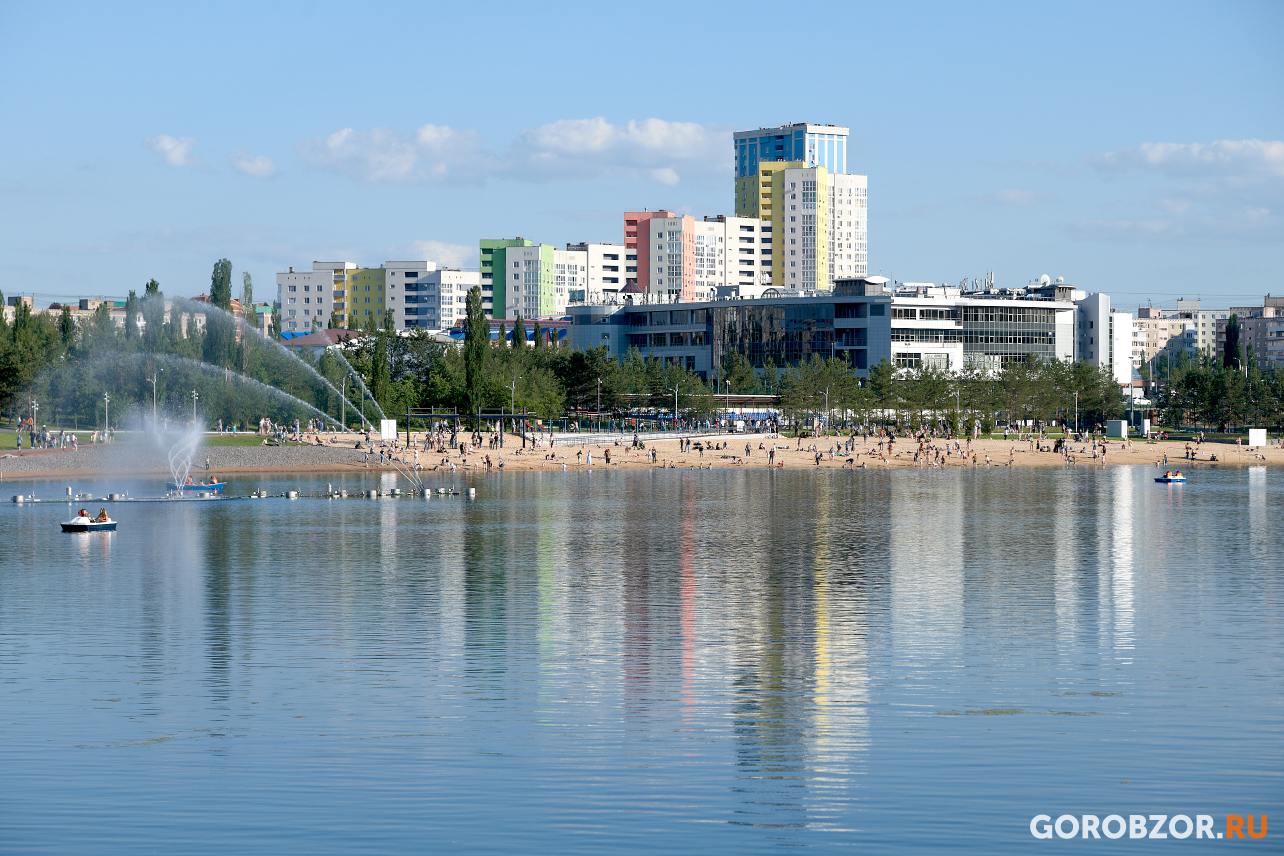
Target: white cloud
<point x="435" y="154"/>
<point x="581" y="149"/>
<point x="1012" y="197"/>
<point x="255" y="166"/>
<point x="175" y="151"/>
<point x="566" y="150"/>
<point x="1242" y="159"/>
<point x="445" y="255"/>
<point x="1227" y="191"/>
<point x="1247" y="226"/>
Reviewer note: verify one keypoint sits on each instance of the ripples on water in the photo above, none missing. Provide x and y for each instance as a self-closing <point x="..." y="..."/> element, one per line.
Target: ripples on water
<point x="648" y="661"/>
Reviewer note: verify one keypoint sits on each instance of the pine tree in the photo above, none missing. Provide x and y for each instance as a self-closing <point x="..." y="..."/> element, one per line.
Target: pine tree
<point x="247" y="293"/>
<point x="538" y="335"/>
<point x="519" y="331"/>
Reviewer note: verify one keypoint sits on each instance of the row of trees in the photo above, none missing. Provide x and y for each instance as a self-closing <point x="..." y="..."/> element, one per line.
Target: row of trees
<point x="68" y="366"/>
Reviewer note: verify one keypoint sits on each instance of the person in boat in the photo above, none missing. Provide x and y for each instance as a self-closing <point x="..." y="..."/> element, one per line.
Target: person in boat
<point x="1180" y="476"/>
<point x="83" y="513"/>
<point x="102" y="515"/>
<point x="189" y="481"/>
<point x="1168" y="474"/>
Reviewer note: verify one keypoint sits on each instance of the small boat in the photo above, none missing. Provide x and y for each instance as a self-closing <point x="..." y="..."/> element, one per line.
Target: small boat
<point x="215" y="488"/>
<point x="1171" y="478"/>
<point x="85" y="523"/>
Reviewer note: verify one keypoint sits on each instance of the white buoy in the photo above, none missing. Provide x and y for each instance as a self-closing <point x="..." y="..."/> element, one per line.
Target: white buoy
<point x="18" y="499"/>
<point x="372" y="494"/>
<point x="68" y="491"/>
<point x="291" y="494"/>
<point x="472" y="493"/>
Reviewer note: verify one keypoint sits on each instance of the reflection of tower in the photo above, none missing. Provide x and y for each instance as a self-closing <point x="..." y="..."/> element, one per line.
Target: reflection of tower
<point x="927" y="563"/>
<point x="1259" y="530"/>
<point x="1065" y="531"/>
<point x="840" y="720"/>
<point x="1119" y="487"/>
<point x="687" y="558"/>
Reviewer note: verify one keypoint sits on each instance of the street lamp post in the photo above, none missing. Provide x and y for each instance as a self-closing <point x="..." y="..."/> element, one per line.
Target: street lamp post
<point x="106" y="412"/>
<point x="155" y="376"/>
<point x="194" y="397"/>
<point x="675" y="409"/>
<point x="512" y="401"/>
<point x="1076" y="412"/>
<point x="343" y="399"/>
<point x="599" y="398"/>
<point x="827" y="420"/>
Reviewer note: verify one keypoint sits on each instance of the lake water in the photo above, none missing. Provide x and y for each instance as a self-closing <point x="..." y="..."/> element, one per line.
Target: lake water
<point x="645" y="661"/>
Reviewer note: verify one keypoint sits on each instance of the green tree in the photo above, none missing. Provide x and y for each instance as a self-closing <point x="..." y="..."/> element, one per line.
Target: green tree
<point x="131" y="316"/>
<point x="380" y="377"/>
<point x="476" y="345"/>
<point x="67" y="327"/>
<point x="1230" y="349"/>
<point x="538" y="335"/>
<point x="247" y="293"/>
<point x="519" y="331"/>
<point x="221" y="285"/>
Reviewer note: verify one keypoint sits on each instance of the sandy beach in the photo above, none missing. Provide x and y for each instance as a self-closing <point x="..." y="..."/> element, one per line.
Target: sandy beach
<point x="719" y="452"/>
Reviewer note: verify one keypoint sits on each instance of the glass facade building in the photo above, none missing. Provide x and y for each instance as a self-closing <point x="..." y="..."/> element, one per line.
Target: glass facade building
<point x="812" y="145"/>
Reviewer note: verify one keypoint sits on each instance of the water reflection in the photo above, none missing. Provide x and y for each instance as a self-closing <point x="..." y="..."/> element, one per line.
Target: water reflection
<point x="772" y="652"/>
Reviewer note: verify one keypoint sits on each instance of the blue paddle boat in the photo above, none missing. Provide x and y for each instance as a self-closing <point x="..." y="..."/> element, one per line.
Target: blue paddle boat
<point x="1171" y="478"/>
<point x="82" y="522"/>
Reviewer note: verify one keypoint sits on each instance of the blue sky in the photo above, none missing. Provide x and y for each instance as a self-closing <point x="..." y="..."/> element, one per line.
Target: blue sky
<point x="1136" y="149"/>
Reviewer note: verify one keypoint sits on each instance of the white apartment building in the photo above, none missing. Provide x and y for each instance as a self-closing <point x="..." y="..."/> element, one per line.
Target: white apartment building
<point x="607" y="268"/>
<point x="435" y="299"/>
<point x="1152" y="334"/>
<point x="400" y="285"/>
<point x="1204" y="323"/>
<point x="307" y="298"/>
<point x="848" y="226"/>
<point x="1105" y="336"/>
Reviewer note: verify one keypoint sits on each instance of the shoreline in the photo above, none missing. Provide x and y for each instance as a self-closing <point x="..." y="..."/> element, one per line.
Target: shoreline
<point x="790" y="455"/>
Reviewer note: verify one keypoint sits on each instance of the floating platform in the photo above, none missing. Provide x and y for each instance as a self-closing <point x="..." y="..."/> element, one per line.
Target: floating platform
<point x="207" y="488"/>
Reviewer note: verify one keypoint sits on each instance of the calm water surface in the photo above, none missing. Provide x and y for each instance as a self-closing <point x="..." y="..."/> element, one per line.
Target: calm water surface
<point x="653" y="661"/>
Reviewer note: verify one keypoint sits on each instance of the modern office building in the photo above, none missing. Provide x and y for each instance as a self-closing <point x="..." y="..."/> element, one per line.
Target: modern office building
<point x="818" y="145"/>
<point x="697" y="336"/>
<point x="860" y="321"/>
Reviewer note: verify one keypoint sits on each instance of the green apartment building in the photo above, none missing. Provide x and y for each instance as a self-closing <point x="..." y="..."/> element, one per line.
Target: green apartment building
<point x="494" y="271"/>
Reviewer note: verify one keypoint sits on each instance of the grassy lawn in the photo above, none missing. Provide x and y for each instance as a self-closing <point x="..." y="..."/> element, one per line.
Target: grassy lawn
<point x="239" y="440"/>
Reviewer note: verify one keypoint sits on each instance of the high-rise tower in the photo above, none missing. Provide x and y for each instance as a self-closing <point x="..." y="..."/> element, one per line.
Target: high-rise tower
<point x="796" y="176"/>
